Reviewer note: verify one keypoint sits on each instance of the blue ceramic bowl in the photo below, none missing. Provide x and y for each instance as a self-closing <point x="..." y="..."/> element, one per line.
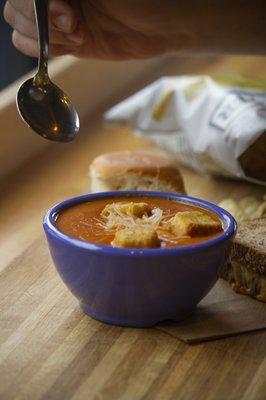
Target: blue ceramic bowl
<point x="138" y="287"/>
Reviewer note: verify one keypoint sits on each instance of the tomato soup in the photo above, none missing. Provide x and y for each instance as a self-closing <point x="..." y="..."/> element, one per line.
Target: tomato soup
<point x="154" y="221"/>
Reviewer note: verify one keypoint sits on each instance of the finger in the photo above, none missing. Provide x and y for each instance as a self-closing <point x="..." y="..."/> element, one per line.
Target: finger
<point x="28" y="28"/>
<point x="30" y="47"/>
<point x="61" y="15"/>
<point x="24" y="7"/>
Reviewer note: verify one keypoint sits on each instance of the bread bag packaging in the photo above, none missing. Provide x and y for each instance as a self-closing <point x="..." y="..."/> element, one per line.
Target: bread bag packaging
<point x="214" y="127"/>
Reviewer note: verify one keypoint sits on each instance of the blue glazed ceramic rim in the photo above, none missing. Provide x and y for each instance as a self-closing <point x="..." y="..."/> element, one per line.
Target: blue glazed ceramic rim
<point x="228" y="221"/>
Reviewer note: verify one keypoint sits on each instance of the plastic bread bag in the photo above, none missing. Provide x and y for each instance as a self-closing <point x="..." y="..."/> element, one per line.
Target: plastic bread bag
<point x="215" y="128"/>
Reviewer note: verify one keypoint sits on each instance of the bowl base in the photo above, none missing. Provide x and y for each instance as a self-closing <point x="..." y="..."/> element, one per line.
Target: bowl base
<point x="147" y="323"/>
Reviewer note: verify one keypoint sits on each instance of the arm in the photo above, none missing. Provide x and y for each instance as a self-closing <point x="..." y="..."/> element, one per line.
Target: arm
<point x="127" y="29"/>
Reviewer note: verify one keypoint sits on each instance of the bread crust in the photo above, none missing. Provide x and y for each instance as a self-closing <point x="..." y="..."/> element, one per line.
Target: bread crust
<point x="249" y="246"/>
<point x="246" y="268"/>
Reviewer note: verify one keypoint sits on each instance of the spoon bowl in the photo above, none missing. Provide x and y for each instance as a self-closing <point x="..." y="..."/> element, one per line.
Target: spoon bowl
<point x="47" y="110"/>
<point x="42" y="104"/>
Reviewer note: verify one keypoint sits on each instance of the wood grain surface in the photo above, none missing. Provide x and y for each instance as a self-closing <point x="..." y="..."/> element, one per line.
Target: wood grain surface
<point x="50" y="350"/>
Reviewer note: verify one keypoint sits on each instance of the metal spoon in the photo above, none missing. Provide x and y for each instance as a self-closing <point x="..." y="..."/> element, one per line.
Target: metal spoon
<point x="42" y="104"/>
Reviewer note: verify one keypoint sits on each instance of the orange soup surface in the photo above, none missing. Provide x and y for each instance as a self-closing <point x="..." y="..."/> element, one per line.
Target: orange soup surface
<point x="85" y="221"/>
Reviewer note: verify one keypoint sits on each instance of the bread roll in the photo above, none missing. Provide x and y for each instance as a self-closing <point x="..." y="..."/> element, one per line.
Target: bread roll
<point x="135" y="170"/>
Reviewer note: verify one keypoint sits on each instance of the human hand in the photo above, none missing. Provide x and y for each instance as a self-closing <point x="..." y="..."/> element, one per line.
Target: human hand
<point x="127" y="29"/>
<point x="106" y="29"/>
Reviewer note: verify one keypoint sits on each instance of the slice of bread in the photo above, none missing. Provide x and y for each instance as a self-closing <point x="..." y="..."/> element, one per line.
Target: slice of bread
<point x="135" y="170"/>
<point x="246" y="269"/>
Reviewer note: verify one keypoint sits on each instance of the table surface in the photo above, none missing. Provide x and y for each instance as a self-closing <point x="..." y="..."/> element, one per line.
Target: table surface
<point x="50" y="350"/>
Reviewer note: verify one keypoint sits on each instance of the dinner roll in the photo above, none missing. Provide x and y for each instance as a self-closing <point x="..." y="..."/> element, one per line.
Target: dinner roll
<point x="135" y="170"/>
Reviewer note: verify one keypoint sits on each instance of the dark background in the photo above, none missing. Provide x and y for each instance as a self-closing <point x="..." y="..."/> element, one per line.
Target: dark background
<point x="13" y="64"/>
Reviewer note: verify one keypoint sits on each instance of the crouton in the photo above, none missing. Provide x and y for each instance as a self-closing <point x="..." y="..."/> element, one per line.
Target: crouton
<point x="127" y="209"/>
<point x="194" y="223"/>
<point x="136" y="237"/>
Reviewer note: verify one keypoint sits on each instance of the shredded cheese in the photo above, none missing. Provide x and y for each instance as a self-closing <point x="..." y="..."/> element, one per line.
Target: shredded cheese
<point x="117" y="218"/>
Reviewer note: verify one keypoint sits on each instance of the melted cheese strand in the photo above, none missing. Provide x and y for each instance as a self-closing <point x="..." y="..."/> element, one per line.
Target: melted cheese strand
<point x="117" y="219"/>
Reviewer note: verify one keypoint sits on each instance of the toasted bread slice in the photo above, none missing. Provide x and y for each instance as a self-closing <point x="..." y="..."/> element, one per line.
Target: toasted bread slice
<point x="246" y="269"/>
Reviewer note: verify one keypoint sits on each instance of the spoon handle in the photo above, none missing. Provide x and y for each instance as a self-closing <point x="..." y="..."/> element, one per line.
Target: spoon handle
<point x="41" y="15"/>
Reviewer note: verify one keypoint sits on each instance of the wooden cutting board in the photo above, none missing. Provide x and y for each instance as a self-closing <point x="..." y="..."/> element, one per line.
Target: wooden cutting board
<point x="46" y="340"/>
<point x="50" y="350"/>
